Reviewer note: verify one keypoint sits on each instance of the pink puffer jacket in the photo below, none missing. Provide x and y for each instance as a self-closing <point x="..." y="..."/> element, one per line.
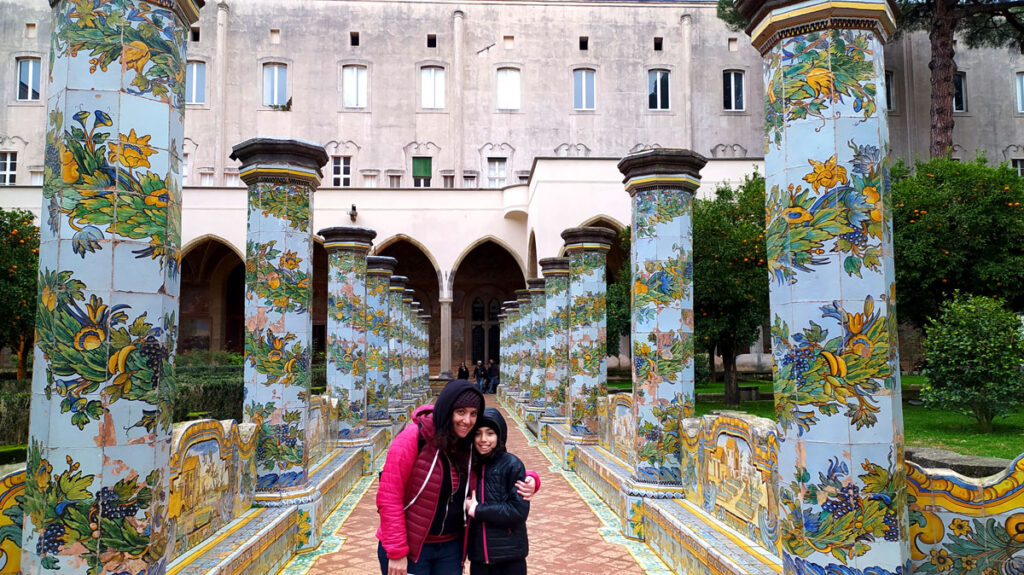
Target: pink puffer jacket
<point x="403" y="530"/>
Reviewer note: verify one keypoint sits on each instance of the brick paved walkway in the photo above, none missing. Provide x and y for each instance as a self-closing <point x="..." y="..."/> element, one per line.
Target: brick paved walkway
<point x="564" y="531"/>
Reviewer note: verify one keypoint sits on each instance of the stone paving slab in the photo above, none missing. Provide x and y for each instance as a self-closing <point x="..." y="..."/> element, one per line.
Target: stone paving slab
<point x="569" y="532"/>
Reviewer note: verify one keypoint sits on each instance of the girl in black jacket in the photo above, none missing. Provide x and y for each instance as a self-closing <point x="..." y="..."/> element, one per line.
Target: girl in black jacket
<point x="497" y="533"/>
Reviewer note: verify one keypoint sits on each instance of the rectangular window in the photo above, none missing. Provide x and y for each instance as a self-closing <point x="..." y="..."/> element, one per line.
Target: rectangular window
<point x="468" y="181"/>
<point x="732" y="90"/>
<point x="341" y="171"/>
<point x="275" y="84"/>
<point x="431" y="41"/>
<point x="353" y="85"/>
<point x="1020" y="92"/>
<point x="448" y="181"/>
<point x="195" y="34"/>
<point x="583" y="89"/>
<point x="232" y="179"/>
<point x="658" y="44"/>
<point x="584" y="43"/>
<point x="890" y="95"/>
<point x="432" y="87"/>
<point x="353" y="38"/>
<point x="8" y="168"/>
<point x="206" y="178"/>
<point x="508" y="89"/>
<point x="657" y="90"/>
<point x="421" y="172"/>
<point x="35" y="177"/>
<point x="28" y="79"/>
<point x="1018" y="164"/>
<point x="195" y="83"/>
<point x="395" y="181"/>
<point x="369" y="180"/>
<point x="495" y="172"/>
<point x="960" y="92"/>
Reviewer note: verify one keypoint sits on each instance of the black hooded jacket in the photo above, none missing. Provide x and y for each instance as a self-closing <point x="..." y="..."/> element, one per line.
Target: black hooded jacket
<point x="497" y="533"/>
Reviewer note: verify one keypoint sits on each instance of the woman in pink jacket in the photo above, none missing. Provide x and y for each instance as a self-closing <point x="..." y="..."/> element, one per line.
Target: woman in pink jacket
<point x="424" y="484"/>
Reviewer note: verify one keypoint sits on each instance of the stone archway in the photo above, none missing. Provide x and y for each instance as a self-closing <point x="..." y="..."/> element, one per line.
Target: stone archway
<point x="212" y="294"/>
<point x="417" y="265"/>
<point x="486" y="275"/>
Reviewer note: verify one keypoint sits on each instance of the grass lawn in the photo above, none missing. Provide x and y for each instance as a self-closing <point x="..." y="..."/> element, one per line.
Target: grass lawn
<point x="930" y="428"/>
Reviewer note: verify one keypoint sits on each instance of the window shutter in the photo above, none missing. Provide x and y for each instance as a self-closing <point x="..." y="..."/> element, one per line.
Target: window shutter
<point x="421" y="167"/>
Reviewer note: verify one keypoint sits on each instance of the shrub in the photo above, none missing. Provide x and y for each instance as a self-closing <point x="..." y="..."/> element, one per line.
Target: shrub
<point x="205" y="358"/>
<point x="215" y="391"/>
<point x="975" y="352"/>
<point x="14" y="413"/>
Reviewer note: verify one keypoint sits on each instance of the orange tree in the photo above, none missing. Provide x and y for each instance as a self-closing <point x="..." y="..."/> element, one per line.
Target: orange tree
<point x="730" y="275"/>
<point x="956" y="226"/>
<point x="19" y="262"/>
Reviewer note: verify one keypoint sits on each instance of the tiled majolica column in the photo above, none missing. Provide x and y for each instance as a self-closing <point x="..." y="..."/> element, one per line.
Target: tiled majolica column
<point x="396" y="345"/>
<point x="378" y="320"/>
<point x="843" y="502"/>
<point x="556" y="335"/>
<point x="587" y="250"/>
<point x="509" y="368"/>
<point x="346" y="334"/>
<point x="522" y="335"/>
<point x="536" y="341"/>
<point x="424" y="350"/>
<point x="409" y="348"/>
<point x="661" y="183"/>
<point x="109" y="255"/>
<point x="282" y="176"/>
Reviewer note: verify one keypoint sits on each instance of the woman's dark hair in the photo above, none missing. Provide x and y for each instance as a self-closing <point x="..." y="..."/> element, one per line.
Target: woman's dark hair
<point x="445" y="438"/>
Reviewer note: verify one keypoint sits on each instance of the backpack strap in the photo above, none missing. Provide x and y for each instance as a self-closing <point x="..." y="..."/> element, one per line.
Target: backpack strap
<point x="425" y="481"/>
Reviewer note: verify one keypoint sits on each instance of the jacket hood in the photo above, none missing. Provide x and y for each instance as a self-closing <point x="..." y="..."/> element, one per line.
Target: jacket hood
<point x="423" y="416"/>
<point x="492" y="418"/>
<point x="443" y="406"/>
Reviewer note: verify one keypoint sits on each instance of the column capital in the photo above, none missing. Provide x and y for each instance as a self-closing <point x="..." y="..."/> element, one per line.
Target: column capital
<point x="554" y="267"/>
<point x="347" y="238"/>
<point x="535" y="286"/>
<point x="522" y="297"/>
<point x="279" y="159"/>
<point x="589" y="238"/>
<point x="773" y="20"/>
<point x="408" y="295"/>
<point x="380" y="265"/>
<point x="398" y="284"/>
<point x="445" y="301"/>
<point x="662" y="167"/>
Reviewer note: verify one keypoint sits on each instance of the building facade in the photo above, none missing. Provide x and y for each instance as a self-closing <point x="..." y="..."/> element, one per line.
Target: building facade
<point x="468" y="135"/>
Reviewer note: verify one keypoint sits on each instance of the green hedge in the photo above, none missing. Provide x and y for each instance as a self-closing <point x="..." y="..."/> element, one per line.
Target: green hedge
<point x="14" y="410"/>
<point x="12" y="454"/>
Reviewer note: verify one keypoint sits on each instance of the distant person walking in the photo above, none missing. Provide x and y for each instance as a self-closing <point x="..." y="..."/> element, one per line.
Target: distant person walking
<point x="480" y="374"/>
<point x="463" y="371"/>
<point x="492" y="376"/>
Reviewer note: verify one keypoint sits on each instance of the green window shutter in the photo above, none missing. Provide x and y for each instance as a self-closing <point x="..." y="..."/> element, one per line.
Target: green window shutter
<point x="421" y="167"/>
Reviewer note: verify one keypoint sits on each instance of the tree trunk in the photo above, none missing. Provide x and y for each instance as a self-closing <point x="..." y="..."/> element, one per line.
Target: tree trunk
<point x="22" y="356"/>
<point x="732" y="388"/>
<point x="943" y="68"/>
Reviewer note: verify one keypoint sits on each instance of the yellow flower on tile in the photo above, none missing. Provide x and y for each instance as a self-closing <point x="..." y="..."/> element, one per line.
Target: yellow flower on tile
<point x="290" y="260"/>
<point x="132" y="151"/>
<point x="941" y="560"/>
<point x="821" y="81"/>
<point x="135" y="55"/>
<point x="826" y="174"/>
<point x="796" y="215"/>
<point x="68" y="166"/>
<point x="959" y="527"/>
<point x="158" y="198"/>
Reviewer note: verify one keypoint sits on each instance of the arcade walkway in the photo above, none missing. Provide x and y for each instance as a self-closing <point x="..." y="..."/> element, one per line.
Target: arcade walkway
<point x="571" y="531"/>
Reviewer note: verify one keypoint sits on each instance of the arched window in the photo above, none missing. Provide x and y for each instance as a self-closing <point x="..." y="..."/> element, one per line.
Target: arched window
<point x="478" y="310"/>
<point x="493" y="309"/>
<point x="508" y="89"/>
